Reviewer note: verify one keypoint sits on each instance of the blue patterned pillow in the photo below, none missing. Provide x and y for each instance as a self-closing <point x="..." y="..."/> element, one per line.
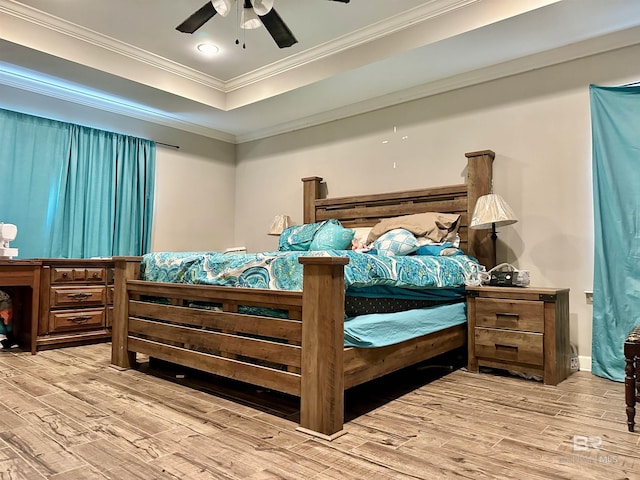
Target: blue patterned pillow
<point x="298" y="238"/>
<point x="332" y="237"/>
<point x="396" y="242"/>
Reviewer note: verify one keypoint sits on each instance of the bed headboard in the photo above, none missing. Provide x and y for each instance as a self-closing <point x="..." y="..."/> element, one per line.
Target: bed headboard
<point x="367" y="210"/>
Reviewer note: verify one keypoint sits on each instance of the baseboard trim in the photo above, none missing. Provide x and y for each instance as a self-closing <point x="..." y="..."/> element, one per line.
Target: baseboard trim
<point x="585" y="363"/>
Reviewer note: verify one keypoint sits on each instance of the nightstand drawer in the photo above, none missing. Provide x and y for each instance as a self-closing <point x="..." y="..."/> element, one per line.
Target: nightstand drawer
<point x="77" y="319"/>
<point x="510" y="314"/>
<point x="77" y="296"/>
<point x="511" y="346"/>
<point x="70" y="274"/>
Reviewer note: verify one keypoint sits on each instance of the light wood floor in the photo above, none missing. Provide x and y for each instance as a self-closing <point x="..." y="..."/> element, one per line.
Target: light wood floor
<point x="69" y="415"/>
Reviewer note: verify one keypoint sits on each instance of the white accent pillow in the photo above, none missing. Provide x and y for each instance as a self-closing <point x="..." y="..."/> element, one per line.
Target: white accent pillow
<point x="396" y="242"/>
<point x="361" y="234"/>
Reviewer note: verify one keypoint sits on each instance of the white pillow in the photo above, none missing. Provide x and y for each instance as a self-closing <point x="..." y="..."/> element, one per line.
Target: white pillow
<point x="396" y="242"/>
<point x="360" y="237"/>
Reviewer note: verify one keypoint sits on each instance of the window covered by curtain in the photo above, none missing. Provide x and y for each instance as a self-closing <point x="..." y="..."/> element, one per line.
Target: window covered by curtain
<point x="615" y="124"/>
<point x="74" y="191"/>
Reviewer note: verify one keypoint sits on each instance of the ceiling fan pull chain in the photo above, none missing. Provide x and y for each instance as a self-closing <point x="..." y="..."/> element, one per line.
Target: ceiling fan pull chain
<point x="238" y="17"/>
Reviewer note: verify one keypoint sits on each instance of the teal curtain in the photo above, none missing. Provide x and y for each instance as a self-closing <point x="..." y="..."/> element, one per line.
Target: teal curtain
<point x="74" y="191"/>
<point x="615" y="123"/>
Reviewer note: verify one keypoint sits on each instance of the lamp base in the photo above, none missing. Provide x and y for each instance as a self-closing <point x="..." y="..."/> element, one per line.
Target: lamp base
<point x="494" y="240"/>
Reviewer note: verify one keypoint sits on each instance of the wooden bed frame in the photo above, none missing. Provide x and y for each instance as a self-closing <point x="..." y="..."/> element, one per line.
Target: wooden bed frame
<point x="308" y="347"/>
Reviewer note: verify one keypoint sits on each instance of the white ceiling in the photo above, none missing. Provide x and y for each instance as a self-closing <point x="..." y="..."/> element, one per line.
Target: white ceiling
<point x="125" y="56"/>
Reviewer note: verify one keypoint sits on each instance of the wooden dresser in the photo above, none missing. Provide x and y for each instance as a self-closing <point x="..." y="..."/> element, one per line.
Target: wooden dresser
<point x="524" y="330"/>
<point x="76" y="302"/>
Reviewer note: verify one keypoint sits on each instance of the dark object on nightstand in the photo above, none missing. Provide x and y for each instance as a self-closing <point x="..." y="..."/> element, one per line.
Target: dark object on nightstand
<point x="522" y="330"/>
<point x="632" y="370"/>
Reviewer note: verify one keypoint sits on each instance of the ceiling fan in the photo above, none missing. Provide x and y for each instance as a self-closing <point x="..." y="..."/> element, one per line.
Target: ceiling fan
<point x="254" y="13"/>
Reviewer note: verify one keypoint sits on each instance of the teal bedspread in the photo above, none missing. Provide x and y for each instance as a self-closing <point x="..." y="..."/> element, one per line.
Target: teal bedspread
<point x="282" y="271"/>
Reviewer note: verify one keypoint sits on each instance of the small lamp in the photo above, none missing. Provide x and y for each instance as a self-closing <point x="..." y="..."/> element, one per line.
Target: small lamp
<point x="491" y="210"/>
<point x="280" y="222"/>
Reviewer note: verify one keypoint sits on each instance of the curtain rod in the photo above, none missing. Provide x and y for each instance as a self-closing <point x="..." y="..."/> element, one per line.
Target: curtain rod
<point x="168" y="145"/>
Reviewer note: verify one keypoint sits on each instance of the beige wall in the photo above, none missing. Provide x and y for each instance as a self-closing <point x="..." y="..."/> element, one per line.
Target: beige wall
<point x="537" y="123"/>
<point x="194" y="201"/>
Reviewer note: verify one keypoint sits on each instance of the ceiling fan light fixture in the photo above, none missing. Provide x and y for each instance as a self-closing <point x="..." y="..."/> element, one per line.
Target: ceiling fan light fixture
<point x="249" y="20"/>
<point x="223" y="7"/>
<point x="262" y="7"/>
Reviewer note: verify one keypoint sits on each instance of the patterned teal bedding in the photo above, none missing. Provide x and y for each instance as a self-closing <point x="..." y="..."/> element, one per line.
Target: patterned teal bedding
<point x="282" y="271"/>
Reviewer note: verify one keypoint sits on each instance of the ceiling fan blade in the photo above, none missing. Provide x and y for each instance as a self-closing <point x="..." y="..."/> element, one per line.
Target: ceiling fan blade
<point x="343" y="1"/>
<point x="278" y="29"/>
<point x="199" y="18"/>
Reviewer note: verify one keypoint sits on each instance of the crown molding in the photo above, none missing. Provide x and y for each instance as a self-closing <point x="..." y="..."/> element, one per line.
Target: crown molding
<point x="69" y="93"/>
<point x="58" y="25"/>
<point x="228" y="95"/>
<point x="610" y="42"/>
<point x="430" y="10"/>
<point x="575" y="51"/>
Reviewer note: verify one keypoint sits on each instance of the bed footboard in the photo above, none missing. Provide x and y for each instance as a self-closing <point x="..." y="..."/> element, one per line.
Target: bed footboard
<point x="217" y="330"/>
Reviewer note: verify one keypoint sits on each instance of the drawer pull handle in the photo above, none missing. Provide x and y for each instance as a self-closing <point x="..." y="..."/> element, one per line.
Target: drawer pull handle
<point x="508" y="317"/>
<point x="79" y="296"/>
<point x="95" y="274"/>
<point x="80" y="319"/>
<point x="509" y="348"/>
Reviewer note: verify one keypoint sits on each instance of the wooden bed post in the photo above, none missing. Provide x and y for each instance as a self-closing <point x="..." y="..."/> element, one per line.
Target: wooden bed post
<point x="127" y="268"/>
<point x="310" y="194"/>
<point x="479" y="182"/>
<point x="322" y="381"/>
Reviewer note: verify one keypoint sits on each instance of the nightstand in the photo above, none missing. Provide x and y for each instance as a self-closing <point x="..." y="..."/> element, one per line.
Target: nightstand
<point x="523" y="330"/>
<point x="76" y="302"/>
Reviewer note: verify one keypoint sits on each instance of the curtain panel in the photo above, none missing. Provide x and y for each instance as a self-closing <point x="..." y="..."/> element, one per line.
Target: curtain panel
<point x="615" y="124"/>
<point x="74" y="191"/>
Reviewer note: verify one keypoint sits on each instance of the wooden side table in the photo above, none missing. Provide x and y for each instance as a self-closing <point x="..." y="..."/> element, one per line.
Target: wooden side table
<point x="24" y="273"/>
<point x="525" y="330"/>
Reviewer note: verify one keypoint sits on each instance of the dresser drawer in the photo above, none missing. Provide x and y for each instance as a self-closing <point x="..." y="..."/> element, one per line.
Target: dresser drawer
<point x="71" y="274"/>
<point x="511" y="346"/>
<point x="77" y="319"/>
<point x="510" y="314"/>
<point x="77" y="296"/>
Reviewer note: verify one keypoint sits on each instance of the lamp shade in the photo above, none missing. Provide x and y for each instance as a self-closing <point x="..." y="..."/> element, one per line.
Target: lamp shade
<point x="280" y="222"/>
<point x="491" y="211"/>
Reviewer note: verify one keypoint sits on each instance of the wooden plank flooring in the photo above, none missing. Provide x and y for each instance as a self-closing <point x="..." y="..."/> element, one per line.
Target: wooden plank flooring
<point x="67" y="414"/>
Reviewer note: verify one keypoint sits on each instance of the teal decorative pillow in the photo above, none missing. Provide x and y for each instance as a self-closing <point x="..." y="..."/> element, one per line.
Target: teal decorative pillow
<point x="298" y="237"/>
<point x="332" y="237"/>
<point x="396" y="242"/>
